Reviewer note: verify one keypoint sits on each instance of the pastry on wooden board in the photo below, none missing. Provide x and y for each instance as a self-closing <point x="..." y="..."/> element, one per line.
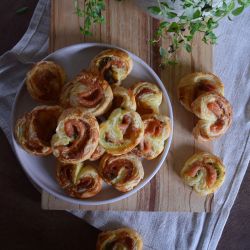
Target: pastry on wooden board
<point x="122" y="131"/>
<point x="204" y="172"/>
<point x="123" y="172"/>
<point x="45" y="81"/>
<point x="157" y="129"/>
<point x="148" y="97"/>
<point x="89" y="92"/>
<point x="215" y="114"/>
<point x="113" y="64"/>
<point x="123" y="238"/>
<point x="34" y="130"/>
<point x="79" y="180"/>
<point x="77" y="136"/>
<point x="193" y="85"/>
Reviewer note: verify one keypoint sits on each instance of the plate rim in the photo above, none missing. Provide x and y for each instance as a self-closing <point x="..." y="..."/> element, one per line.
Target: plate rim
<point x="86" y="202"/>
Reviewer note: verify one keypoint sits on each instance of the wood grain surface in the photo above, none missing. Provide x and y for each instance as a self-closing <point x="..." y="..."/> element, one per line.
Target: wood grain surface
<point x="128" y="27"/>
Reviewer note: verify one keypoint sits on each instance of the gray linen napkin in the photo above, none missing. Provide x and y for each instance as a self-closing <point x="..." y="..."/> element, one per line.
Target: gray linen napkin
<point x="161" y="230"/>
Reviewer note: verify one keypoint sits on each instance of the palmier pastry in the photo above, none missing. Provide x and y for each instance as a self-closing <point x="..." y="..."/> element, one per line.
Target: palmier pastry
<point x="79" y="181"/>
<point x="121" y="132"/>
<point x="98" y="153"/>
<point x="123" y="238"/>
<point x="148" y="97"/>
<point x="123" y="172"/>
<point x="89" y="92"/>
<point x="123" y="98"/>
<point x="157" y="129"/>
<point x="45" y="81"/>
<point x="34" y="130"/>
<point x="215" y="113"/>
<point x="193" y="85"/>
<point x="76" y="137"/>
<point x="204" y="172"/>
<point x="113" y="64"/>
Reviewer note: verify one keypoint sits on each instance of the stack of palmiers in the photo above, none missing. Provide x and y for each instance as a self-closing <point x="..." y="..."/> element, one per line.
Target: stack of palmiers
<point x="94" y="119"/>
<point x="203" y="95"/>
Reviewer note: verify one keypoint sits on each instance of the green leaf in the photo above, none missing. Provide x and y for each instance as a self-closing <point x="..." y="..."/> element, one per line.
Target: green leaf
<point x="174" y="27"/>
<point x="188" y="47"/>
<point x="197" y="14"/>
<point x="231" y="6"/>
<point x="238" y="11"/>
<point x="22" y="10"/>
<point x="163" y="24"/>
<point x="171" y="15"/>
<point x="164" y="4"/>
<point x="154" y="10"/>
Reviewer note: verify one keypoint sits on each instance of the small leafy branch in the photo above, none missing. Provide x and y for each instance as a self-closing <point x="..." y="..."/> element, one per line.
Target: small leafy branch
<point x="197" y="16"/>
<point x="91" y="12"/>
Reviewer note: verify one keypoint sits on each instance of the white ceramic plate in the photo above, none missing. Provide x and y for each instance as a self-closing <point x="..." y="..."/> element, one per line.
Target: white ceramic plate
<point x="41" y="170"/>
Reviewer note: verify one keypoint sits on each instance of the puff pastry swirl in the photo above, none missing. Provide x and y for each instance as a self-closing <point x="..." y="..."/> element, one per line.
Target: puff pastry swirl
<point x="76" y="137"/>
<point x="148" y="97"/>
<point x="113" y="64"/>
<point x="123" y="172"/>
<point x="157" y="129"/>
<point x="204" y="172"/>
<point x="45" y="81"/>
<point x="215" y="113"/>
<point x="79" y="181"/>
<point x="193" y="85"/>
<point x="89" y="92"/>
<point x="123" y="98"/>
<point x="123" y="238"/>
<point x="34" y="130"/>
<point x="121" y="132"/>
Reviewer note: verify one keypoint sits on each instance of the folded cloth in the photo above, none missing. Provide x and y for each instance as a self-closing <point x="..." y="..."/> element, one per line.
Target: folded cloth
<point x="161" y="230"/>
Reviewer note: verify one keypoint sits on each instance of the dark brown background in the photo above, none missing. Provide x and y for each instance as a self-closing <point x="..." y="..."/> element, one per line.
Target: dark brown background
<point x="23" y="225"/>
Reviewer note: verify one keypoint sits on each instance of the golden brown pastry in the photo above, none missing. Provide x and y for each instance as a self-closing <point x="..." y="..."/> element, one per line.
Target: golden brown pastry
<point x="113" y="64"/>
<point x="215" y="113"/>
<point x="148" y="97"/>
<point x="157" y="129"/>
<point x="34" y="130"/>
<point x="120" y="239"/>
<point x="45" y="81"/>
<point x="204" y="172"/>
<point x="98" y="153"/>
<point x="123" y="172"/>
<point x="123" y="98"/>
<point x="193" y="85"/>
<point x="89" y="92"/>
<point x="79" y="181"/>
<point x="121" y="132"/>
<point x="76" y="137"/>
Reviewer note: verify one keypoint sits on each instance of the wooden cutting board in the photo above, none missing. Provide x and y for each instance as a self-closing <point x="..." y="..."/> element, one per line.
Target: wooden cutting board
<point x="130" y="28"/>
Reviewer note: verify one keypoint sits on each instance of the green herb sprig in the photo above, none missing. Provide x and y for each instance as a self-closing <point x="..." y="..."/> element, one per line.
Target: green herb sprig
<point x="91" y="12"/>
<point x="197" y="16"/>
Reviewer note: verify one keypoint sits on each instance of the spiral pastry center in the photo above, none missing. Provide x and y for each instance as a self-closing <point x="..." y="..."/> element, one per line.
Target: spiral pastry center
<point x="119" y="167"/>
<point x="154" y="128"/>
<point x="80" y="131"/>
<point x="85" y="183"/>
<point x="91" y="97"/>
<point x="211" y="174"/>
